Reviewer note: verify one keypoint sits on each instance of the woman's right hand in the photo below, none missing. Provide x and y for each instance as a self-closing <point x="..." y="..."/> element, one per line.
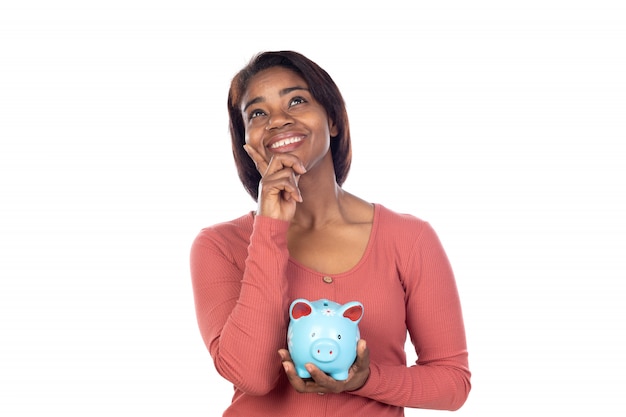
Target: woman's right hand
<point x="278" y="189"/>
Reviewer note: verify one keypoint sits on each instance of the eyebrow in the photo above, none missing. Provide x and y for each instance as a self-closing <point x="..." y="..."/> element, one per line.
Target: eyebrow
<point x="282" y="92"/>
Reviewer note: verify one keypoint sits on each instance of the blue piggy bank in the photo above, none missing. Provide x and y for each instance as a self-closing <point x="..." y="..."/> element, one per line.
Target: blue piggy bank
<point x="325" y="334"/>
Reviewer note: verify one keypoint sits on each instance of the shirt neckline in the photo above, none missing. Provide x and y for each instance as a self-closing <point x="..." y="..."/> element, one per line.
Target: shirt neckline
<point x="366" y="253"/>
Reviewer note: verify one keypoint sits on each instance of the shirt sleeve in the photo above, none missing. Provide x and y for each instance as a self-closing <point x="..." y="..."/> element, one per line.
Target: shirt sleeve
<point x="440" y="379"/>
<point x="242" y="313"/>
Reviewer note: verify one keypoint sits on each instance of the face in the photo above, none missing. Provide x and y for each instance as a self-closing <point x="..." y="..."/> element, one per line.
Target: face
<point x="280" y="115"/>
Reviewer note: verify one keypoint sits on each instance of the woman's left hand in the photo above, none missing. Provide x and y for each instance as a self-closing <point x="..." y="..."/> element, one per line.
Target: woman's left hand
<point x="322" y="383"/>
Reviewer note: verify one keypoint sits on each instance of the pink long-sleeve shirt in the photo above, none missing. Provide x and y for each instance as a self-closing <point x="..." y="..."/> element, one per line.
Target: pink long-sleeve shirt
<point x="244" y="280"/>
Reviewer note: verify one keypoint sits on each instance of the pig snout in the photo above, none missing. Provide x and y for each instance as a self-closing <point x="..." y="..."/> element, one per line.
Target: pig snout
<point x="325" y="350"/>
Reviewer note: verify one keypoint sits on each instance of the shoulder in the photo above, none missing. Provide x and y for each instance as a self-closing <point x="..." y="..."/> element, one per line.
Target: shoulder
<point x="403" y="229"/>
<point x="226" y="234"/>
<point x="413" y="243"/>
<point x="390" y="220"/>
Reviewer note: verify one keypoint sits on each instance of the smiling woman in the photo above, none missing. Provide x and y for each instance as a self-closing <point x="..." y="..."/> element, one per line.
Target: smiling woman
<point x="310" y="238"/>
<point x="320" y="86"/>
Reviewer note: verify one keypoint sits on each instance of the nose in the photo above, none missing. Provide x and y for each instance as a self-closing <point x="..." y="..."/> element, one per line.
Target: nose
<point x="277" y="120"/>
<point x="325" y="350"/>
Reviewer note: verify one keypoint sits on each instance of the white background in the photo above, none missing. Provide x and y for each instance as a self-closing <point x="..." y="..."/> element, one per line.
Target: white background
<point x="501" y="122"/>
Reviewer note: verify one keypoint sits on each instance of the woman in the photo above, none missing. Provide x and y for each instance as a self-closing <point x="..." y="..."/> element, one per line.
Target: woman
<point x="309" y="238"/>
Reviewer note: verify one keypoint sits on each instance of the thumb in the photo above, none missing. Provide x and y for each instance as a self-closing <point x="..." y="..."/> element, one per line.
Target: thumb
<point x="362" y="353"/>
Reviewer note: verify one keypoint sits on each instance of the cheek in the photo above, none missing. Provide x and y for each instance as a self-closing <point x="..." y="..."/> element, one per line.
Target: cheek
<point x="251" y="135"/>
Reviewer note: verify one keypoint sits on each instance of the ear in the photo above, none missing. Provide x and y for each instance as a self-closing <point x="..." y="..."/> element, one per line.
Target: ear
<point x="299" y="308"/>
<point x="332" y="127"/>
<point x="353" y="311"/>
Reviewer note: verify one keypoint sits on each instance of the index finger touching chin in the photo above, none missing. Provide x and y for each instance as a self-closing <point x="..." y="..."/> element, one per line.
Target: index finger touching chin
<point x="257" y="158"/>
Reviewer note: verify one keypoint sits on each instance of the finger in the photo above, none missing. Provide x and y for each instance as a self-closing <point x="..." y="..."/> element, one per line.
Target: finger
<point x="258" y="159"/>
<point x="276" y="163"/>
<point x="362" y="354"/>
<point x="282" y="161"/>
<point x="296" y="382"/>
<point x="361" y="349"/>
<point x="283" y="183"/>
<point x="295" y="194"/>
<point x="322" y="381"/>
<point x="284" y="355"/>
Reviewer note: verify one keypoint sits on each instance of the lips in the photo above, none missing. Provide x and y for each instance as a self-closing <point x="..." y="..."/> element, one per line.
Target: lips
<point x="284" y="142"/>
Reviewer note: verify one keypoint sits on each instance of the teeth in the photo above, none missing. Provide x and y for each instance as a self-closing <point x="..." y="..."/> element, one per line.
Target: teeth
<point x="285" y="142"/>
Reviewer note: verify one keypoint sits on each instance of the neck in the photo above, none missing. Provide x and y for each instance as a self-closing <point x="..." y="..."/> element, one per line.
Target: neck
<point x="323" y="199"/>
<point x="320" y="209"/>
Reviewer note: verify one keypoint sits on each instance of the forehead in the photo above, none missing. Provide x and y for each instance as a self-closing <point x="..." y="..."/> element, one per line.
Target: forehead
<point x="271" y="81"/>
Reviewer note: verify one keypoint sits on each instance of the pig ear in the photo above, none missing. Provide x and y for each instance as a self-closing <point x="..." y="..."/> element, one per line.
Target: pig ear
<point x="353" y="311"/>
<point x="299" y="308"/>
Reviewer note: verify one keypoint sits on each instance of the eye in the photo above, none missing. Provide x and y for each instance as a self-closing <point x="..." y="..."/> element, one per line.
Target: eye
<point x="339" y="336"/>
<point x="313" y="334"/>
<point x="255" y="113"/>
<point x="297" y="100"/>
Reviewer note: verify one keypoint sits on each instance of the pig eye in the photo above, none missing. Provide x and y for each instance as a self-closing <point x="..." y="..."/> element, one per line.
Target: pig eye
<point x="313" y="334"/>
<point x="338" y="336"/>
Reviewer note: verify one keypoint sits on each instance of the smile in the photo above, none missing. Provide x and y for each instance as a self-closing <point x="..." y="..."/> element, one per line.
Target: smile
<point x="285" y="142"/>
